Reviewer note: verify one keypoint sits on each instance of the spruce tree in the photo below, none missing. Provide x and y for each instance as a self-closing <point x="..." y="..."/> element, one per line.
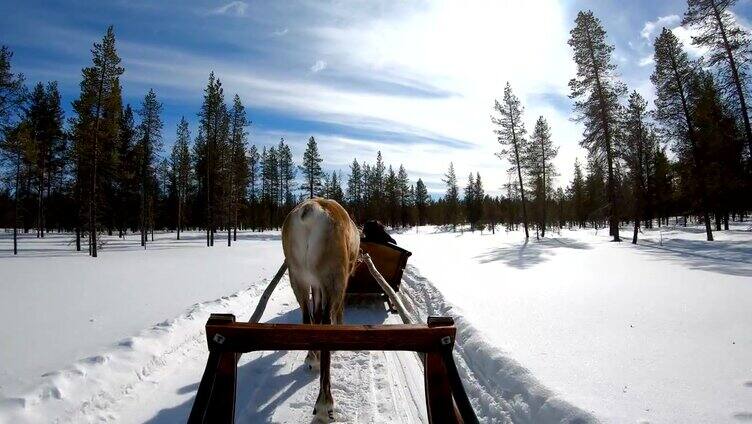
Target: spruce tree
<point x="577" y="192"/>
<point x="451" y="197"/>
<point x="421" y="201"/>
<point x="511" y="135"/>
<point x="596" y="92"/>
<point x="637" y="147"/>
<point x="311" y="169"/>
<point x="479" y="198"/>
<point x="286" y="174"/>
<point x="404" y="196"/>
<point x="355" y="190"/>
<point x="254" y="165"/>
<point x="470" y="202"/>
<point x="538" y="157"/>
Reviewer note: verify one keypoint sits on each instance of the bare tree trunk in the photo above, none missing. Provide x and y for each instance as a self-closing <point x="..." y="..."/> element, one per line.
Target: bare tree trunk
<point x="179" y="215"/>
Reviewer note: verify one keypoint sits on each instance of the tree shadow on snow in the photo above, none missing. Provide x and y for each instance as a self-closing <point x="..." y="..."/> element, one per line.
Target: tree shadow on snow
<point x="723" y="257"/>
<point x="530" y="253"/>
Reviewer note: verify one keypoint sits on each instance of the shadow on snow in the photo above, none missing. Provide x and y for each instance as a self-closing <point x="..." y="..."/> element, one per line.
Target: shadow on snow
<point x="266" y="383"/>
<point x="529" y="253"/>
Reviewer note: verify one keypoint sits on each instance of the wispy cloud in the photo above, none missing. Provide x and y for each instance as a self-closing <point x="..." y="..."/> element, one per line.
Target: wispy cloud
<point x="280" y="32"/>
<point x="234" y="8"/>
<point x="319" y="66"/>
<point x="652" y="27"/>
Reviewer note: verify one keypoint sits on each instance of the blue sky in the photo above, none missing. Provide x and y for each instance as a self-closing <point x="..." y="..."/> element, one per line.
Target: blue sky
<point x="415" y="80"/>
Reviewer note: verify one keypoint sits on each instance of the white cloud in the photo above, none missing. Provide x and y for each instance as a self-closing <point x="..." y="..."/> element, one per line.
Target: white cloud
<point x="319" y="66"/>
<point x="472" y="57"/>
<point x="236" y="8"/>
<point x="652" y="27"/>
<point x="646" y="61"/>
<point x="280" y="32"/>
<point x="685" y="36"/>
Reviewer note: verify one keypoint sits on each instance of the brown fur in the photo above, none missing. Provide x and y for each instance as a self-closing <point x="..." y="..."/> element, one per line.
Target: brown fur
<point x="328" y="255"/>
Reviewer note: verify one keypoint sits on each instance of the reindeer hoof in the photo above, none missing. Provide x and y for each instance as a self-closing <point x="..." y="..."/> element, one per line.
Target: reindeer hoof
<point x="324" y="418"/>
<point x="324" y="410"/>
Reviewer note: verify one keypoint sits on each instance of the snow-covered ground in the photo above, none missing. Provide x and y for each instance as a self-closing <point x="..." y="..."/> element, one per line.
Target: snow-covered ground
<point x="59" y="305"/>
<point x="659" y="332"/>
<point x="549" y="331"/>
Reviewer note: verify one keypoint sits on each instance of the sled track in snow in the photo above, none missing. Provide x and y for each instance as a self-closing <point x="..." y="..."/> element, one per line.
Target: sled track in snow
<point x="153" y="376"/>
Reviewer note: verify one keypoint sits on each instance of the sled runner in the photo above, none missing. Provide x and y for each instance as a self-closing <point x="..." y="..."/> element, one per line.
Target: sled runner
<point x="446" y="400"/>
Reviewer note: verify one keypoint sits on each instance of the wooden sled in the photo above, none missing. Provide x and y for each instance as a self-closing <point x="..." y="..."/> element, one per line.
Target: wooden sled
<point x="388" y="258"/>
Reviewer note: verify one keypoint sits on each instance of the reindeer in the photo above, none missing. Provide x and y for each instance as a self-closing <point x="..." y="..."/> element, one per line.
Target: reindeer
<point x="321" y="245"/>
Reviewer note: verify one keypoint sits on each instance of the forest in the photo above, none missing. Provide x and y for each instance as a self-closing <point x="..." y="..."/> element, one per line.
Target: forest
<point x="104" y="169"/>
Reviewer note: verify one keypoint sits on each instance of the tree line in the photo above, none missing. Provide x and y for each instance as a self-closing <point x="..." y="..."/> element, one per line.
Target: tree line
<point x="103" y="170"/>
<point x="700" y="114"/>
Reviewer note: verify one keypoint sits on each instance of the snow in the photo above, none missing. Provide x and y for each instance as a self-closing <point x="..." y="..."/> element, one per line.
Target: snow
<point x="66" y="305"/>
<point x="646" y="333"/>
<point x="572" y="328"/>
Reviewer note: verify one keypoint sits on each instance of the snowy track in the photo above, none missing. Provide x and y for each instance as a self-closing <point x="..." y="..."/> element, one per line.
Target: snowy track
<point x="153" y="377"/>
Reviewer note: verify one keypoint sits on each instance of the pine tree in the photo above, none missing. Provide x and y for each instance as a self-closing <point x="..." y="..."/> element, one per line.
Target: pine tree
<point x="181" y="167"/>
<point x="12" y="90"/>
<point x="675" y="78"/>
<point x="150" y="143"/>
<point x="15" y="142"/>
<point x="45" y="117"/>
<point x="238" y="162"/>
<point x="100" y="89"/>
<point x="729" y="49"/>
<point x="12" y="96"/>
<point x="596" y="92"/>
<point x="511" y="135"/>
<point x="311" y="168"/>
<point x="451" y="197"/>
<point x="538" y="157"/>
<point x="214" y="122"/>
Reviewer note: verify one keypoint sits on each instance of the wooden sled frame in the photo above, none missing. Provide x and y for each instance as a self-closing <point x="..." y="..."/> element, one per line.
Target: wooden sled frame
<point x="446" y="400"/>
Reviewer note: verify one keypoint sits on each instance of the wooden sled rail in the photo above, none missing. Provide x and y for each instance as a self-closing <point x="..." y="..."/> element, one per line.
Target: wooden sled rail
<point x="446" y="400"/>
